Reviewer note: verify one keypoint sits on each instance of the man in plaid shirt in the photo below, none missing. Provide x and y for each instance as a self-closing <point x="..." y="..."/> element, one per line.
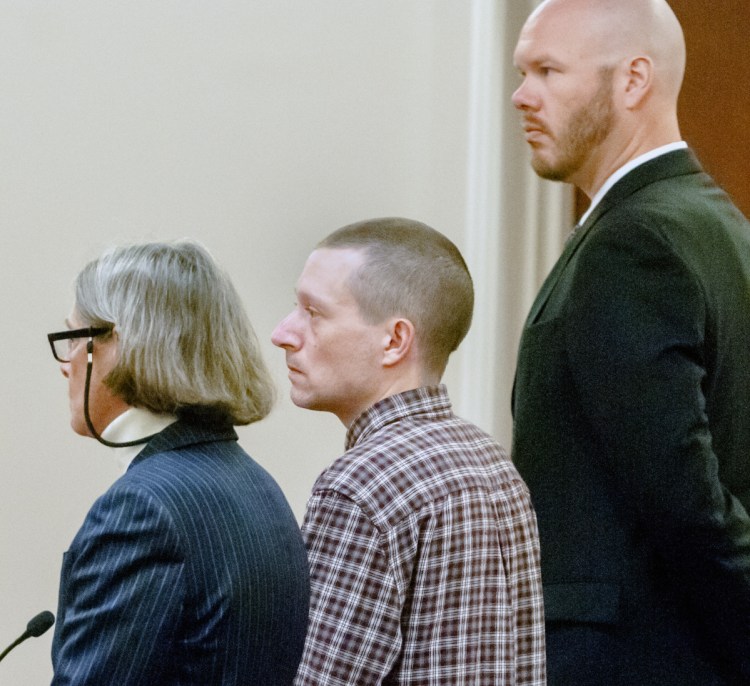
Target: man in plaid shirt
<point x="421" y="538"/>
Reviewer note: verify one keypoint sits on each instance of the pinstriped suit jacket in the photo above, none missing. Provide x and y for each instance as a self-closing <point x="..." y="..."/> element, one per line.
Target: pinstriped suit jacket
<point x="190" y="569"/>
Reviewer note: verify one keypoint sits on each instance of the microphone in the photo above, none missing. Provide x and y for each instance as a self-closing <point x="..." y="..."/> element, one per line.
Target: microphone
<point x="36" y="627"/>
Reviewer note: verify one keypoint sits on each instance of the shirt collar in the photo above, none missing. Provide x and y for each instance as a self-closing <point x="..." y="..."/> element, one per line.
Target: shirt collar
<point x="626" y="169"/>
<point x="131" y="425"/>
<point x="426" y="401"/>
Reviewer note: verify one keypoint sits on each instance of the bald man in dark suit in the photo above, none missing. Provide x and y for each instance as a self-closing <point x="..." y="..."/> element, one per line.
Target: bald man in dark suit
<point x="632" y="394"/>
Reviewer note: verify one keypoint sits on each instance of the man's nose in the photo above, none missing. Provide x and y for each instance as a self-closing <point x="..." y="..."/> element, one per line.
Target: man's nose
<point x="283" y="335"/>
<point x="522" y="96"/>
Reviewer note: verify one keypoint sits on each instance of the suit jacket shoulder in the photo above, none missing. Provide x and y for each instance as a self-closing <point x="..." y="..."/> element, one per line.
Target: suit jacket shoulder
<point x="190" y="569"/>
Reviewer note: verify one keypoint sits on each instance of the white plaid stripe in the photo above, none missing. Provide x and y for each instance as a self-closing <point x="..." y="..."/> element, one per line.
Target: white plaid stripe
<point x="424" y="556"/>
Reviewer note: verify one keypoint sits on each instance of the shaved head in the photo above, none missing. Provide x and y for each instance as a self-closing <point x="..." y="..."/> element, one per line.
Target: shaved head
<point x="617" y="30"/>
<point x="601" y="79"/>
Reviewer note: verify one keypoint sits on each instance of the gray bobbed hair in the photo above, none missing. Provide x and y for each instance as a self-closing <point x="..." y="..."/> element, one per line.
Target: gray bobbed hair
<point x="185" y="343"/>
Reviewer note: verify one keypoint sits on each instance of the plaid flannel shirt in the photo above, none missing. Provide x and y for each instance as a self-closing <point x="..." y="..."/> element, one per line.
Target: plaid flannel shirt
<point x="424" y="556"/>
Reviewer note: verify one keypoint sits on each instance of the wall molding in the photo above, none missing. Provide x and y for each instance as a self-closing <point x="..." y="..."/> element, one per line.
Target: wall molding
<point x="515" y="222"/>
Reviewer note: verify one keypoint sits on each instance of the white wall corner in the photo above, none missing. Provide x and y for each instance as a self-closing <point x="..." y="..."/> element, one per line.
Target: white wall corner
<point x="515" y="222"/>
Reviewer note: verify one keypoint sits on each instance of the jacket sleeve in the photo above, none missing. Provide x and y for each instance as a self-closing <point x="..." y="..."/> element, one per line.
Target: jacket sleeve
<point x="120" y="594"/>
<point x="635" y="336"/>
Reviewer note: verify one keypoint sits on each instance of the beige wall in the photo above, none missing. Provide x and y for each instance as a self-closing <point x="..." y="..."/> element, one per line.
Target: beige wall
<point x="254" y="126"/>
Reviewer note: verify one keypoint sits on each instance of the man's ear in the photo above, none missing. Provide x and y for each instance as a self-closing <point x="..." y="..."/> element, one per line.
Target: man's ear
<point x="399" y="341"/>
<point x="639" y="81"/>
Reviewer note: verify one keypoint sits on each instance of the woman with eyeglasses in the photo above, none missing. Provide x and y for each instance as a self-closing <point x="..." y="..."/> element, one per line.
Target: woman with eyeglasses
<point x="190" y="569"/>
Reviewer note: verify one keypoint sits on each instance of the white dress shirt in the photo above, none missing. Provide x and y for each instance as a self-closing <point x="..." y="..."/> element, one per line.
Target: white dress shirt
<point x="131" y="425"/>
<point x="626" y="169"/>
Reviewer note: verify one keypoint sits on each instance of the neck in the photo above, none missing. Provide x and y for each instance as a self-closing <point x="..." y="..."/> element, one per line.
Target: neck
<point x="408" y="378"/>
<point x="623" y="145"/>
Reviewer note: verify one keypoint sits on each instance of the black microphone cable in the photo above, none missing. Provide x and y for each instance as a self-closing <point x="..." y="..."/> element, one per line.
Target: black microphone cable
<point x="36" y="627"/>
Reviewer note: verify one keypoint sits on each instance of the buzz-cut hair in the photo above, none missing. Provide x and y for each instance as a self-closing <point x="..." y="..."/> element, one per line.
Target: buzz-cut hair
<point x="185" y="344"/>
<point x="412" y="271"/>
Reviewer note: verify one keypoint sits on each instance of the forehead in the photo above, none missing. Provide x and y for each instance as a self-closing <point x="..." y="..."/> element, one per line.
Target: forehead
<point x="554" y="34"/>
<point x="581" y="34"/>
<point x="326" y="274"/>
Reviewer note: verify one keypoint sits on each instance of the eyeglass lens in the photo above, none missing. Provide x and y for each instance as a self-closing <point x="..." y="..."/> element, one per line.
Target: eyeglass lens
<point x="64" y="348"/>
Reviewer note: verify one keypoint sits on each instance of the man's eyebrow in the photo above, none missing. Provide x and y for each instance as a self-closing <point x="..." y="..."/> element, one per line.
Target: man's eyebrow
<point x="536" y="60"/>
<point x="302" y="293"/>
<point x="541" y="59"/>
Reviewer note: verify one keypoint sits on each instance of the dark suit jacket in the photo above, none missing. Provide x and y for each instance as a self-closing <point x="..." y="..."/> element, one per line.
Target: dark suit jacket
<point x="190" y="570"/>
<point x="632" y="430"/>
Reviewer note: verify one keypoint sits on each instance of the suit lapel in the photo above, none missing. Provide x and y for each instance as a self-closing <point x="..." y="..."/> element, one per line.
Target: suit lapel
<point x="672" y="164"/>
<point x="553" y="277"/>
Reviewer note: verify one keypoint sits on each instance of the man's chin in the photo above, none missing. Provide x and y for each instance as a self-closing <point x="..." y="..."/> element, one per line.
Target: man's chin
<point x="299" y="399"/>
<point x="547" y="170"/>
<point x="305" y="402"/>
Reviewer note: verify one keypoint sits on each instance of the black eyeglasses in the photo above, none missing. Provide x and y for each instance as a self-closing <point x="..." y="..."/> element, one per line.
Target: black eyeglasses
<point x="62" y="342"/>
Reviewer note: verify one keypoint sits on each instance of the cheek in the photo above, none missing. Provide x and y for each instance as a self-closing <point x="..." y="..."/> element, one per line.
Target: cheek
<point x="75" y="375"/>
<point x="359" y="355"/>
